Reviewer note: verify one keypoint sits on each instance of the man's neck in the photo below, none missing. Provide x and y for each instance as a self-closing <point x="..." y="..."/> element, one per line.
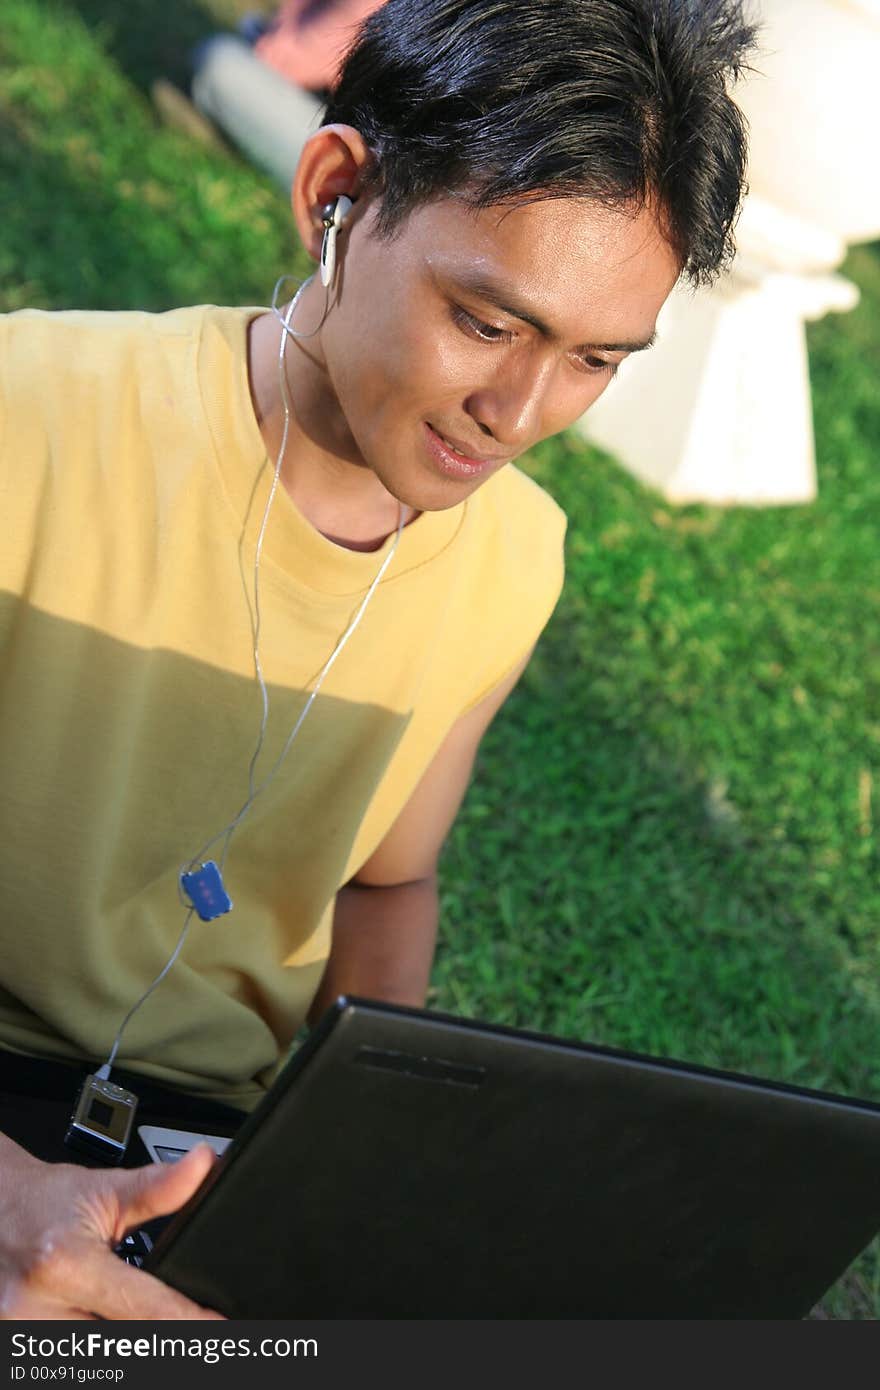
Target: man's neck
<point x="341" y="498"/>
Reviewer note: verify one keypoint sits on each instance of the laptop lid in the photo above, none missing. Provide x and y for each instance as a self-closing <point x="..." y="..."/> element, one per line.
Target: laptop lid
<point x="413" y="1165"/>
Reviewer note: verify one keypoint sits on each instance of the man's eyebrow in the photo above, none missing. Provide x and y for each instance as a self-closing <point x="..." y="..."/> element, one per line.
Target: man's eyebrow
<point x="505" y="301"/>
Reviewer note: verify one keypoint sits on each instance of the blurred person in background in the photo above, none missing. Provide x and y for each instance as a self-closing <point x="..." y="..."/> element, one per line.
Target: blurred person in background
<point x="266" y="86"/>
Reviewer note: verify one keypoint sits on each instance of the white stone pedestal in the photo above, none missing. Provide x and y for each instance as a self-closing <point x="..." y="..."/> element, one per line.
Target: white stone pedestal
<point x="720" y="410"/>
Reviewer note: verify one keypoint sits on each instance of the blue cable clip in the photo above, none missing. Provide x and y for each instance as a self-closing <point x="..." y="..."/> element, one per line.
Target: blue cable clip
<point x="205" y="891"/>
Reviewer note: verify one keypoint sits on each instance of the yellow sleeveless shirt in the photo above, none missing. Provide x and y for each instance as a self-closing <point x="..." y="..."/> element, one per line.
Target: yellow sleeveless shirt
<point x="133" y="480"/>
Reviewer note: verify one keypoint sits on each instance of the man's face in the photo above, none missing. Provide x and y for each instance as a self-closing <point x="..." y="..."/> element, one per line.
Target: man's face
<point x="465" y="339"/>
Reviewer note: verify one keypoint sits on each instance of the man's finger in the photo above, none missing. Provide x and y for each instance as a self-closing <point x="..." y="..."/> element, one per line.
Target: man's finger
<point x="33" y="1308"/>
<point x="159" y="1189"/>
<point x="109" y="1288"/>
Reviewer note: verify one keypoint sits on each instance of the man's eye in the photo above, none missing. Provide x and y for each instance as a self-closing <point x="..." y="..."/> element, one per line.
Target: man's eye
<point x="597" y="365"/>
<point x="487" y="332"/>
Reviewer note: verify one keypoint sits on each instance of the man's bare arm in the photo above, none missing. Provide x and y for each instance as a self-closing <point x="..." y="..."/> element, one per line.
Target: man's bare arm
<point x="385" y="923"/>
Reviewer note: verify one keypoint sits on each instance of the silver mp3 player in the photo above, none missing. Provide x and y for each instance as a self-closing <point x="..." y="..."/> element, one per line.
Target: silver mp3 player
<point x="101" y="1121"/>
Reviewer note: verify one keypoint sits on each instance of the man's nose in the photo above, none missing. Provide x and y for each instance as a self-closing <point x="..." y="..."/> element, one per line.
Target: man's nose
<point x="515" y="405"/>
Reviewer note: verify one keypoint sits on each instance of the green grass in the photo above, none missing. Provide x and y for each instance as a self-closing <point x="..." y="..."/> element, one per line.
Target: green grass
<point x="671" y="843"/>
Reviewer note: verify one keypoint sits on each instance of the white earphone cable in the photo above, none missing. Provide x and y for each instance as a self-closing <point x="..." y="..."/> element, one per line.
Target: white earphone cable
<point x="255" y="790"/>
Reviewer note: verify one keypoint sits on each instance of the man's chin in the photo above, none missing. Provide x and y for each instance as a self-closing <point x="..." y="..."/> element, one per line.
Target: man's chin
<point x="432" y="494"/>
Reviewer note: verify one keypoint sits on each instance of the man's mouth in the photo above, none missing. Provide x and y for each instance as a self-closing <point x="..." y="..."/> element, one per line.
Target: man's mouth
<point x="456" y="457"/>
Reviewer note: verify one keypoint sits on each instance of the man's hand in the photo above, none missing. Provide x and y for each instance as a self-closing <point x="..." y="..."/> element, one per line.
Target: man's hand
<point x="58" y="1227"/>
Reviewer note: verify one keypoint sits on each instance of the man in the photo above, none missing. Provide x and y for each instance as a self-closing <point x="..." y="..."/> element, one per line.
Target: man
<point x="502" y="196"/>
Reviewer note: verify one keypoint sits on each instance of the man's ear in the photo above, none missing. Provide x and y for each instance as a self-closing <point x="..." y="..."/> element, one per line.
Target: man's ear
<point x="333" y="161"/>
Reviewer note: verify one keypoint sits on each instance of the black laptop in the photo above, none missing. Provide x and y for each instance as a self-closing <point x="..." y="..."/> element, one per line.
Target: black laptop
<point x="412" y="1165"/>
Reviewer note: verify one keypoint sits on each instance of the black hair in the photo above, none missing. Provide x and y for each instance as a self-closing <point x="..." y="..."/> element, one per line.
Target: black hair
<point x="622" y="101"/>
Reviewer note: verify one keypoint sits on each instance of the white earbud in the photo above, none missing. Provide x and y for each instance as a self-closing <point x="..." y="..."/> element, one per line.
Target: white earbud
<point x="333" y="218"/>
